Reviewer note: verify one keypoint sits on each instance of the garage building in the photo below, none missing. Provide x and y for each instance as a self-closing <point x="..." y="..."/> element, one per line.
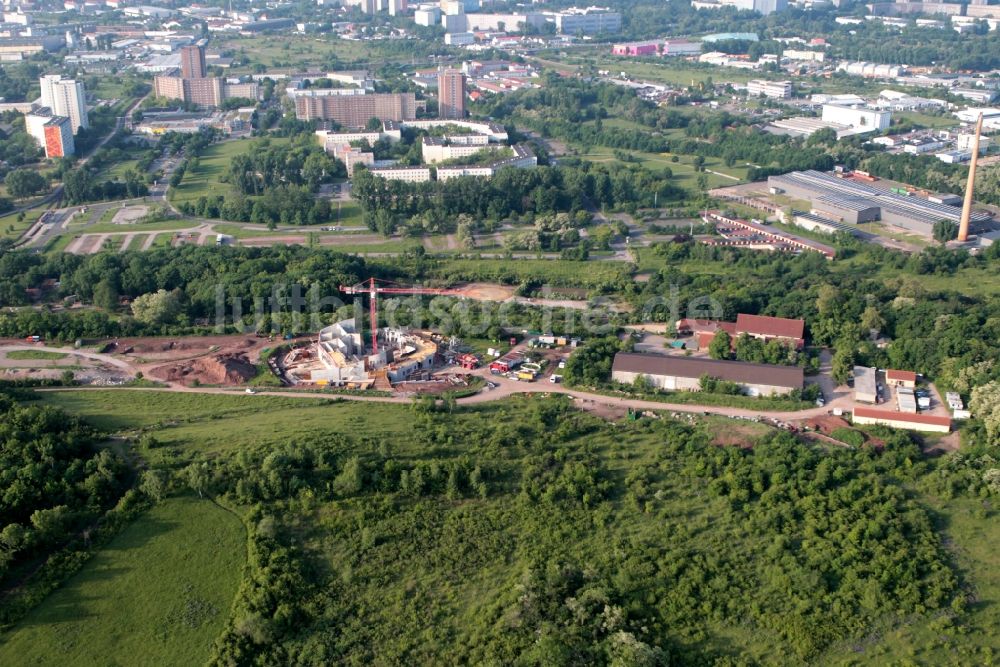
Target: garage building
<point x="675" y="373"/>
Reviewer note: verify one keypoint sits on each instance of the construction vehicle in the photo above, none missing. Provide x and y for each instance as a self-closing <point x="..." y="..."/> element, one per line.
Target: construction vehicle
<point x="526" y="376"/>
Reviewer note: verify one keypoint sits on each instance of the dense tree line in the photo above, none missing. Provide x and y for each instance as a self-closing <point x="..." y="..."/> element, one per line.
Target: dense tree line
<point x="17" y="147"/>
<point x="54" y="480"/>
<point x="389" y="204"/>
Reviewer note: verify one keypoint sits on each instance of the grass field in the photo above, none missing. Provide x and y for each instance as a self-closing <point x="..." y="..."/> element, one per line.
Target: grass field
<point x="559" y="272"/>
<point x="213" y="163"/>
<point x="40" y="355"/>
<point x="299" y="53"/>
<point x="197" y="423"/>
<point x="12" y="228"/>
<point x="158" y="594"/>
<point x="684" y="173"/>
<point x="927" y="120"/>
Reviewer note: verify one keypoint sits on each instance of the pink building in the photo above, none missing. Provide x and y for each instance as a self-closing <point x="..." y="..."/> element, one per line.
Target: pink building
<point x="636" y="49"/>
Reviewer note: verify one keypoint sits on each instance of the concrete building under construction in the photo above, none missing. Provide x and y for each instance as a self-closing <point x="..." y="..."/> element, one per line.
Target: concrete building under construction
<point x="340" y="358"/>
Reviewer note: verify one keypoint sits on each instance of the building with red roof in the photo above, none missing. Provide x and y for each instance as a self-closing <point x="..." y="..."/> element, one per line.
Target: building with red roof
<point x="762" y="327"/>
<point x="901" y="378"/>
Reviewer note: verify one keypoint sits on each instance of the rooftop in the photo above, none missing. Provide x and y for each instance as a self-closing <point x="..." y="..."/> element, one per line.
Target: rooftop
<point x="693" y="367"/>
<point x="764" y="325"/>
<point x="890" y="415"/>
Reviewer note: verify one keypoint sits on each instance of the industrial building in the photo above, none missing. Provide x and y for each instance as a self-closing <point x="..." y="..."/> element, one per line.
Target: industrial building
<point x="906" y="379"/>
<point x="865" y="385"/>
<point x="857" y="117"/>
<point x="853" y="202"/>
<point x="636" y="49"/>
<point x="816" y="223"/>
<point x="676" y="373"/>
<point x="735" y="232"/>
<point x="902" y="420"/>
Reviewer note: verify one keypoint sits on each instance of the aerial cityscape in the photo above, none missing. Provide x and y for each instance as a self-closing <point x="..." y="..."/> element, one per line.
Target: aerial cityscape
<point x="377" y="332"/>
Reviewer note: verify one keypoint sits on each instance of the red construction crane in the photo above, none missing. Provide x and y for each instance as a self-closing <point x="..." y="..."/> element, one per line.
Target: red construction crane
<point x="372" y="288"/>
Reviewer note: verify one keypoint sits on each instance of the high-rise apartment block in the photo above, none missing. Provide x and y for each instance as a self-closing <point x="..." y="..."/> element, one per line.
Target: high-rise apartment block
<point x="52" y="132"/>
<point x="451" y="94"/>
<point x="193" y="62"/>
<point x="355" y="110"/>
<point x="65" y="97"/>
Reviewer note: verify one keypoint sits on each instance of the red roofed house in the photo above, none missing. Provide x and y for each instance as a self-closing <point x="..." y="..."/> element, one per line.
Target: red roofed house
<point x="901" y="378"/>
<point x="762" y="327"/>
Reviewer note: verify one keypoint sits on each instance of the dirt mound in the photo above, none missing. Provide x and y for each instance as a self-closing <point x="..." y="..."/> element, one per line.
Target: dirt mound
<point x="485" y="291"/>
<point x="220" y="369"/>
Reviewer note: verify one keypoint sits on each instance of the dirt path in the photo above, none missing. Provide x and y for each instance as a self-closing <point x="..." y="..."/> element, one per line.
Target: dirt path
<point x="93" y="356"/>
<point x="148" y="243"/>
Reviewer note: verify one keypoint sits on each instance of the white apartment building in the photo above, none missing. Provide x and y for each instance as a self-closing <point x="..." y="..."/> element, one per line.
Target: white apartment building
<point x="408" y="174"/>
<point x="775" y="89"/>
<point x="447" y="173"/>
<point x="65" y="97"/>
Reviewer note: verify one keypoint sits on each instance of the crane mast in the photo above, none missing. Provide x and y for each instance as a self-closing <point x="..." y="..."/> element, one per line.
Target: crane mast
<point x="372" y="288"/>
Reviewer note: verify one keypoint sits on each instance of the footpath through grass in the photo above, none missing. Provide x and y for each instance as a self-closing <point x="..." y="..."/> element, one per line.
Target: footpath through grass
<point x="158" y="594"/>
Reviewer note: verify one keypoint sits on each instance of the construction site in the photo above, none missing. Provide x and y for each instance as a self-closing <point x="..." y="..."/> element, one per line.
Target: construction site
<point x="338" y="357"/>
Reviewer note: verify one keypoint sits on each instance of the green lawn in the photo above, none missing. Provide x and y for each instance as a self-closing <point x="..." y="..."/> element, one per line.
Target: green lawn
<point x="158" y="594"/>
<point x="41" y="355"/>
